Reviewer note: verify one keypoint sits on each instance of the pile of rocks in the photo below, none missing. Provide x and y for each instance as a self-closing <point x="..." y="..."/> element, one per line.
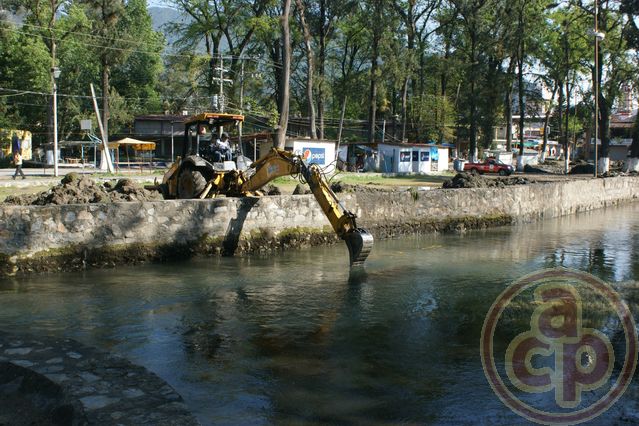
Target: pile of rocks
<point x="467" y="180"/>
<point x="78" y="189"/>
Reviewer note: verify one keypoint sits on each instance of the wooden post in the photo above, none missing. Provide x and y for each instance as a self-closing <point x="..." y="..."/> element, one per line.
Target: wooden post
<point x="105" y="144"/>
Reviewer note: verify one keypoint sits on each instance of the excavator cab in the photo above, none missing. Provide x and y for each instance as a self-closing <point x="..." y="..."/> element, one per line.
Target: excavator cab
<point x="201" y="133"/>
<point x="196" y="174"/>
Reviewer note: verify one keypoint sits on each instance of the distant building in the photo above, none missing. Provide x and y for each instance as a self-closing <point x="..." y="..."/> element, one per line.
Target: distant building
<point x="536" y="99"/>
<point x="621" y="127"/>
<point x="412" y="158"/>
<point x="167" y="131"/>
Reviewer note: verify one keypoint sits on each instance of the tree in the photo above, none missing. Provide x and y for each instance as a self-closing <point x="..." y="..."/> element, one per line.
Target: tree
<point x="114" y="45"/>
<point x="416" y="18"/>
<point x="349" y="61"/>
<point x="631" y="9"/>
<point x="24" y="66"/>
<point x="286" y="75"/>
<point x="375" y="11"/>
<point x="613" y="67"/>
<point x="137" y="78"/>
<point x="310" y="59"/>
<point x="41" y="19"/>
<point x="472" y="22"/>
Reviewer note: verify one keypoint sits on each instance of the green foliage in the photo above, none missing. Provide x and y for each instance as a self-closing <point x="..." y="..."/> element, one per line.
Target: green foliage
<point x="435" y="115"/>
<point x="453" y="58"/>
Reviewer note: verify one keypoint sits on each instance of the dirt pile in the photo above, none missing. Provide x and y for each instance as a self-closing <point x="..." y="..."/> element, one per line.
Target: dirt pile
<point x="467" y="180"/>
<point x="339" y="186"/>
<point x="582" y="168"/>
<point x="613" y="173"/>
<point x="78" y="189"/>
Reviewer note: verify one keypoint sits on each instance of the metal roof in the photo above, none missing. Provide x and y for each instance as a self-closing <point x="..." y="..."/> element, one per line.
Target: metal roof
<point x="218" y="117"/>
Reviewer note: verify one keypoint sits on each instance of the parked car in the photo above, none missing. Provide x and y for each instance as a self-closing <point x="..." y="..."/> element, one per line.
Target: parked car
<point x="490" y="165"/>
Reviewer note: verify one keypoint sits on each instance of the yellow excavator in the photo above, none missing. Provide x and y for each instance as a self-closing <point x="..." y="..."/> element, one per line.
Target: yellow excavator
<point x="200" y="173"/>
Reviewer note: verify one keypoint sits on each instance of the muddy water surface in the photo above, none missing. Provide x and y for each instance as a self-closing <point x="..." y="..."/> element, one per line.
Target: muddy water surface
<point x="293" y="338"/>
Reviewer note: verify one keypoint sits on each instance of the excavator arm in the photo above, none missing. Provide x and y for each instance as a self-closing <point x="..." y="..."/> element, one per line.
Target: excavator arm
<point x="282" y="163"/>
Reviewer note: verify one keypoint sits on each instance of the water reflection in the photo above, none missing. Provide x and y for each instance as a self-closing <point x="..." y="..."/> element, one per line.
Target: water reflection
<point x="295" y="338"/>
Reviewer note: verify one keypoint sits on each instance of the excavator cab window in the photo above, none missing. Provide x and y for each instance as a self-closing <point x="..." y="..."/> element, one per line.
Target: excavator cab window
<point x="205" y="128"/>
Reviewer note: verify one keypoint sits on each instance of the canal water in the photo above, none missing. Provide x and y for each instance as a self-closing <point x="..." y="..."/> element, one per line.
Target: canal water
<point x="292" y="338"/>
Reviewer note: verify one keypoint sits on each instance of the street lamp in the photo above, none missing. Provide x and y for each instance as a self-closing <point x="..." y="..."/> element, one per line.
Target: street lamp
<point x="55" y="73"/>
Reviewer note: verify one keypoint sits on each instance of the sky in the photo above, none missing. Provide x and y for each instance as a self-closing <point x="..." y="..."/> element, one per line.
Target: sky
<point x="157" y="3"/>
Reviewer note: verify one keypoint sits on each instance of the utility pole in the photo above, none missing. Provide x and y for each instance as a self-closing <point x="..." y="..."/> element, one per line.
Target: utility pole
<point x="221" y="83"/>
<point x="55" y="74"/>
<point x="221" y="102"/>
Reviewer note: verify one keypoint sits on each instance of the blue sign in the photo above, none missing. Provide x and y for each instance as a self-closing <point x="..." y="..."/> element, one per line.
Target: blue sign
<point x="314" y="155"/>
<point x="424" y="156"/>
<point x="434" y="153"/>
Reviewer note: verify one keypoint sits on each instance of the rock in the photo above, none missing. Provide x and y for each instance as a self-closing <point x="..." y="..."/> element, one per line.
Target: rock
<point x="70" y="178"/>
<point x="301" y="189"/>
<point x="272" y="190"/>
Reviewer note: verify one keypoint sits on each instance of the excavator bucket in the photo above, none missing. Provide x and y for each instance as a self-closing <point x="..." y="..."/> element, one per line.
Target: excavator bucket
<point x="360" y="244"/>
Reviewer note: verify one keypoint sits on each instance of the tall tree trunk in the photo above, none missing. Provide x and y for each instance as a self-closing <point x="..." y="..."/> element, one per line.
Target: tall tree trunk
<point x="508" y="104"/>
<point x="472" y="149"/>
<point x="372" y="107"/>
<point x="321" y="67"/>
<point x="286" y="75"/>
<point x="404" y="107"/>
<point x="549" y="111"/>
<point x="604" y="129"/>
<point x="632" y="164"/>
<point x="105" y="98"/>
<point x="560" y="112"/>
<point x="309" y="63"/>
<point x="377" y="34"/>
<point x="567" y="135"/>
<point x="522" y="106"/>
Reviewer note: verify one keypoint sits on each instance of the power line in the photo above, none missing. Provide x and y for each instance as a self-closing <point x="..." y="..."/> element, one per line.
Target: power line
<point x="107" y="39"/>
<point x="31" y="92"/>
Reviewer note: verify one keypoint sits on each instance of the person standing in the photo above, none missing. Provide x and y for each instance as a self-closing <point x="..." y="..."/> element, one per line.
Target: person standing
<point x="17" y="160"/>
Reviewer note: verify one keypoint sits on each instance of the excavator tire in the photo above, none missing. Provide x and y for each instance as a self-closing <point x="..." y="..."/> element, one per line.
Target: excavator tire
<point x="191" y="183"/>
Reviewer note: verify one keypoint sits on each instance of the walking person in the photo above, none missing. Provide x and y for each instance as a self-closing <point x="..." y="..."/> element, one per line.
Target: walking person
<point x="17" y="160"/>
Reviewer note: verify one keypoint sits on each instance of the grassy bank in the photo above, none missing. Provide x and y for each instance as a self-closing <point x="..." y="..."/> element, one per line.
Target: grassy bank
<point x="4" y="192"/>
<point x="287" y="183"/>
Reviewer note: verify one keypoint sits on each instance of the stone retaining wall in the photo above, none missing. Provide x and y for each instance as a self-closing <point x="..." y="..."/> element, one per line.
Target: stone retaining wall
<point x="44" y="380"/>
<point x="41" y="238"/>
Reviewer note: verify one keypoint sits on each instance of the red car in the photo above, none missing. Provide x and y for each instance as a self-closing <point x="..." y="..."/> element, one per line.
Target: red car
<point x="491" y="165"/>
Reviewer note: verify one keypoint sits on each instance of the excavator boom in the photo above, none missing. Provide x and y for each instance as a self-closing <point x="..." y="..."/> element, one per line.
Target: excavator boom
<point x="189" y="178"/>
<point x="282" y="163"/>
